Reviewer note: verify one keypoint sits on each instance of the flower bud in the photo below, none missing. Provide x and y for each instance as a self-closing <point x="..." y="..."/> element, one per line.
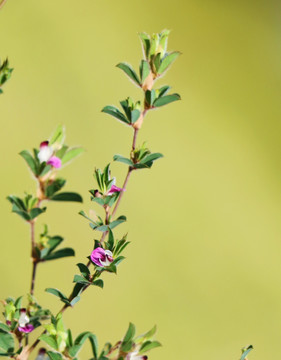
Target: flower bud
<point x="101" y="257"/>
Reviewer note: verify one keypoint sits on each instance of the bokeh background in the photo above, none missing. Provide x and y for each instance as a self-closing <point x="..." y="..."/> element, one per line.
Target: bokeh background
<point x="205" y="259"/>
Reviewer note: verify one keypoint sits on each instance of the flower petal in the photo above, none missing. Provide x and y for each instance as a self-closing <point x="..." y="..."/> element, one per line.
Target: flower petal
<point x="26" y="329"/>
<point x="45" y="153"/>
<point x="97" y="255"/>
<point x="55" y="162"/>
<point x="114" y="189"/>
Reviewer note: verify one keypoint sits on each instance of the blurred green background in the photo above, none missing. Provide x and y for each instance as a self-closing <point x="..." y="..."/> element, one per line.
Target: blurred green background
<point x="204" y="263"/>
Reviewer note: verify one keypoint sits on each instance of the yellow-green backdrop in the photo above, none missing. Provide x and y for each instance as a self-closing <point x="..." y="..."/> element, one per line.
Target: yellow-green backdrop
<point x="205" y="258"/>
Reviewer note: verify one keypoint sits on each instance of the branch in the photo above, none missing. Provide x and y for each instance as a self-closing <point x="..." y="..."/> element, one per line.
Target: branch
<point x="2" y="3"/>
<point x="33" y="257"/>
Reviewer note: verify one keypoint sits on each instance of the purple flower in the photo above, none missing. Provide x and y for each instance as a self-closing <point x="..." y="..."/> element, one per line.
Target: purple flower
<point x="55" y="162"/>
<point x="46" y="154"/>
<point x="114" y="189"/>
<point x="26" y="329"/>
<point x="24" y="325"/>
<point x="101" y="257"/>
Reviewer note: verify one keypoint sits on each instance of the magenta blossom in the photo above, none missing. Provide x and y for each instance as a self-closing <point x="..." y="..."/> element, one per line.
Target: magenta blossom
<point x="101" y="257"/>
<point x="24" y="325"/>
<point x="26" y="329"/>
<point x="46" y="154"/>
<point x="114" y="189"/>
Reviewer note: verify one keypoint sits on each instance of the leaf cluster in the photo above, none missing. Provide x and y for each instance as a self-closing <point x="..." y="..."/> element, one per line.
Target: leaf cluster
<point x="5" y="73"/>
<point x="47" y="245"/>
<point x="131" y="111"/>
<point x="27" y="207"/>
<point x="141" y="158"/>
<point x="8" y="330"/>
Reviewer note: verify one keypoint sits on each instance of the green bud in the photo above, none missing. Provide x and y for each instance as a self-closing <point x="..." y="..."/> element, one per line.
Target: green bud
<point x="154" y="43"/>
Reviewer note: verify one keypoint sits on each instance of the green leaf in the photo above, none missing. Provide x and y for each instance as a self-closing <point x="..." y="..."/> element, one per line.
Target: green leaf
<point x="145" y="44"/>
<point x="110" y="241"/>
<point x="50" y="340"/>
<point x="135" y="114"/>
<point x="157" y="62"/>
<point x="45" y="169"/>
<point x="17" y="201"/>
<point x="60" y="153"/>
<point x="18" y="302"/>
<point x="86" y="217"/>
<point x="54" y="187"/>
<point x="4" y="327"/>
<point x="118" y="260"/>
<point x="98" y="200"/>
<point x="54" y="242"/>
<point x="71" y="154"/>
<point x="167" y="61"/>
<point x="144" y="70"/>
<point x="98" y="283"/>
<point x="150" y="97"/>
<point x="65" y="252"/>
<point x="122" y="159"/>
<point x="127" y="346"/>
<point x="245" y="351"/>
<point x="75" y="300"/>
<point x="36" y="212"/>
<point x="79" y="341"/>
<point x="59" y="294"/>
<point x="102" y="228"/>
<point x="69" y="340"/>
<point x="54" y="355"/>
<point x="163" y="90"/>
<point x="117" y="222"/>
<point x="94" y="345"/>
<point x="21" y="213"/>
<point x="9" y="355"/>
<point x="84" y="270"/>
<point x="149" y="345"/>
<point x="151" y="157"/>
<point x="120" y="246"/>
<point x="164" y="100"/>
<point x="30" y="161"/>
<point x="150" y="333"/>
<point x="58" y="136"/>
<point x="113" y="111"/>
<point x="6" y="342"/>
<point x="130" y="333"/>
<point x="80" y="279"/>
<point x="130" y="72"/>
<point x="67" y="196"/>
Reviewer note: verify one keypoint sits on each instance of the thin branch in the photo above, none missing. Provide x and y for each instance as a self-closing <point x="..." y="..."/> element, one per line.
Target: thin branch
<point x="2" y="3"/>
<point x="33" y="257"/>
<point x="33" y="277"/>
<point x="123" y="190"/>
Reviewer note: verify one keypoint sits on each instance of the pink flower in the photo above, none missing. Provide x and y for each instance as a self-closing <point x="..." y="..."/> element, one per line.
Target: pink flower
<point x="114" y="189"/>
<point x="26" y="329"/>
<point x="46" y="154"/>
<point x="55" y="162"/>
<point x="101" y="257"/>
<point x="24" y="325"/>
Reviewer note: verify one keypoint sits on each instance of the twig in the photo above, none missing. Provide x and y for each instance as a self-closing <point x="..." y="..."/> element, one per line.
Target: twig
<point x="2" y="3"/>
<point x="33" y="257"/>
